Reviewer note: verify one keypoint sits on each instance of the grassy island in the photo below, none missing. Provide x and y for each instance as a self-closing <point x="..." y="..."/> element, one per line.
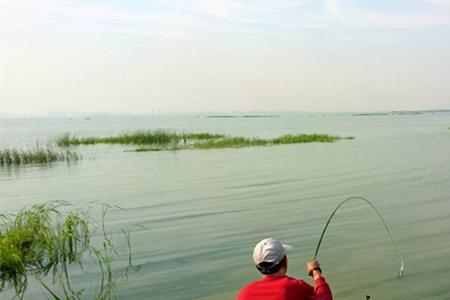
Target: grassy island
<point x="140" y="137"/>
<point x="38" y="155"/>
<point x="159" y="140"/>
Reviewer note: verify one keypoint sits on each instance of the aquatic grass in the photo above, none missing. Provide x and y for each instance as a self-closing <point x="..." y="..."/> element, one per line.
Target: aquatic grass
<point x="232" y="142"/>
<point x="43" y="241"/>
<point x="160" y="140"/>
<point x="140" y="137"/>
<point x="38" y="241"/>
<point x="156" y="148"/>
<point x="36" y="155"/>
<point x="241" y="142"/>
<point x="305" y="138"/>
<point x="202" y="136"/>
<point x="225" y="142"/>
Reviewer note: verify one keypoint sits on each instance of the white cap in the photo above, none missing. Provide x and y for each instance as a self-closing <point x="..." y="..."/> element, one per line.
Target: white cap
<point x="270" y="251"/>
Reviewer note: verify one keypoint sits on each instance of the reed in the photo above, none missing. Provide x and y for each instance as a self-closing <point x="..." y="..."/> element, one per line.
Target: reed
<point x="43" y="241"/>
<point x="38" y="155"/>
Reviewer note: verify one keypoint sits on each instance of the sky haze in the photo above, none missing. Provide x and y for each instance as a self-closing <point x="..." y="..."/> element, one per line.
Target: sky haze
<point x="214" y="55"/>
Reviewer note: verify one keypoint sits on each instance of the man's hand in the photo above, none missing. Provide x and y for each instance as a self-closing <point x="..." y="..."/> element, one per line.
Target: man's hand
<point x="313" y="268"/>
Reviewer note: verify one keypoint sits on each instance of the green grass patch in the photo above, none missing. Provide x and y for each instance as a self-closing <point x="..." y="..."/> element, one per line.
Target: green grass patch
<point x="160" y="140"/>
<point x="305" y="138"/>
<point x="37" y="155"/>
<point x="141" y="137"/>
<point x="241" y="142"/>
<point x="231" y="142"/>
<point x="42" y="241"/>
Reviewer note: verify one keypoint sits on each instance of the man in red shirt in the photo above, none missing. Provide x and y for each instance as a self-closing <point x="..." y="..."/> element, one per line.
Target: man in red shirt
<point x="270" y="259"/>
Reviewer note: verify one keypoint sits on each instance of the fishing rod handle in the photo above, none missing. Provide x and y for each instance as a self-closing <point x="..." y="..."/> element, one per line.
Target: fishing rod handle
<point x="310" y="273"/>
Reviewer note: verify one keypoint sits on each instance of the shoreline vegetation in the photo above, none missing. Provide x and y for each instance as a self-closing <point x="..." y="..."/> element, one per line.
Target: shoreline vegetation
<point x="150" y="140"/>
<point x="43" y="240"/>
<point x="38" y="155"/>
<point x="160" y="140"/>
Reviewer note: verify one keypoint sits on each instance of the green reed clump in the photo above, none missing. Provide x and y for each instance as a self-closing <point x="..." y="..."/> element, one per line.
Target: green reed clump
<point x="37" y="241"/>
<point x="168" y="140"/>
<point x="305" y="138"/>
<point x="36" y="155"/>
<point x="240" y="142"/>
<point x="231" y="142"/>
<point x="43" y="241"/>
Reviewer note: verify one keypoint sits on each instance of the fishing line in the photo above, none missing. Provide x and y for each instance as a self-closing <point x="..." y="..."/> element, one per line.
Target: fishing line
<point x="402" y="265"/>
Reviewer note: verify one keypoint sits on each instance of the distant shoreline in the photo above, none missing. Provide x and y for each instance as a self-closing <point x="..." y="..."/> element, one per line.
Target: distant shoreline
<point x="237" y="114"/>
<point x="243" y="116"/>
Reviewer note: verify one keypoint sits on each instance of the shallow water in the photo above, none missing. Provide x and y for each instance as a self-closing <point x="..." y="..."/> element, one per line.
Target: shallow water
<point x="206" y="209"/>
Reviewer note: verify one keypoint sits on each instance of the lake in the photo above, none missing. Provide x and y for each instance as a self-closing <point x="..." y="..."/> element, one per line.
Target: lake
<point x="204" y="210"/>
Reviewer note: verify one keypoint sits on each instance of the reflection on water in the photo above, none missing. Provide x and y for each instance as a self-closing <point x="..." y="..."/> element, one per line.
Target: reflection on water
<point x="205" y="209"/>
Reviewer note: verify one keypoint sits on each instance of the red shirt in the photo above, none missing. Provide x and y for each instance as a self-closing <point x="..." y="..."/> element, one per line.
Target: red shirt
<point x="285" y="288"/>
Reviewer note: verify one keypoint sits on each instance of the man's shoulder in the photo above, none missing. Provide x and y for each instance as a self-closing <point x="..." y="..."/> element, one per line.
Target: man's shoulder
<point x="285" y="280"/>
<point x="242" y="294"/>
<point x="293" y="285"/>
<point x="249" y="285"/>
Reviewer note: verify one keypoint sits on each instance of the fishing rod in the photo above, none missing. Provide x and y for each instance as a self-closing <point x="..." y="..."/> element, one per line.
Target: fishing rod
<point x="402" y="265"/>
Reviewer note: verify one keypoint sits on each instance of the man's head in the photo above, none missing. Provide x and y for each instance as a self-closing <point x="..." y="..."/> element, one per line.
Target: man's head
<point x="270" y="256"/>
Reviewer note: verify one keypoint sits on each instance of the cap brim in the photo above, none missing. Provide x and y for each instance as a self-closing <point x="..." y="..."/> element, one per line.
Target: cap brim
<point x="288" y="247"/>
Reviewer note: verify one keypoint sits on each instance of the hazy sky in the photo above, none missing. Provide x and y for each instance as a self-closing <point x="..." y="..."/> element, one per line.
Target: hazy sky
<point x="136" y="56"/>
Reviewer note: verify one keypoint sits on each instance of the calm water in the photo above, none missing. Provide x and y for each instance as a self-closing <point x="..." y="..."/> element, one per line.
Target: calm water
<point x="206" y="209"/>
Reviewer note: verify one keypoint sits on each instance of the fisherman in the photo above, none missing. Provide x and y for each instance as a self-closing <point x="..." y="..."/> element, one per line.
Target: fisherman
<point x="271" y="260"/>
